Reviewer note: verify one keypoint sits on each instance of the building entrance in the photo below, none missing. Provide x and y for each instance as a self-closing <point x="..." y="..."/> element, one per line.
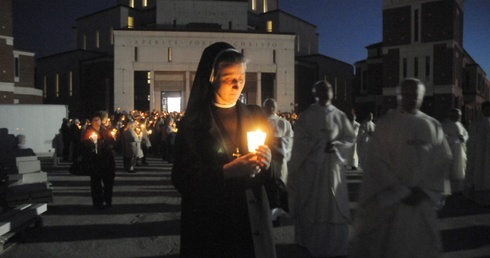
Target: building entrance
<point x="171" y="101"/>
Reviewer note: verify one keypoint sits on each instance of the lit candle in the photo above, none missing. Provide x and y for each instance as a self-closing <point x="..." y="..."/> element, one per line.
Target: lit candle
<point x="94" y="137"/>
<point x="255" y="139"/>
<point x="149" y="132"/>
<point x="113" y="133"/>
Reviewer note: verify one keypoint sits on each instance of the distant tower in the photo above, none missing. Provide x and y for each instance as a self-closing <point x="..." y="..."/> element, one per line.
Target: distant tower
<point x="424" y="39"/>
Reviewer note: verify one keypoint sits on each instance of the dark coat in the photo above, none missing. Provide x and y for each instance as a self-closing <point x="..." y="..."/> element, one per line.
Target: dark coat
<point x="101" y="161"/>
<point x="221" y="217"/>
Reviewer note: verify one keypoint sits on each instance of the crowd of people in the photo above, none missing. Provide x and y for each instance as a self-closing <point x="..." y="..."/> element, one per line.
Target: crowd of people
<point x="150" y="134"/>
<point x="232" y="196"/>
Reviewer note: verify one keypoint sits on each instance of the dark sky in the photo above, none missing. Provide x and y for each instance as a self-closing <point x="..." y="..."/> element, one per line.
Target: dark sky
<point x="346" y="27"/>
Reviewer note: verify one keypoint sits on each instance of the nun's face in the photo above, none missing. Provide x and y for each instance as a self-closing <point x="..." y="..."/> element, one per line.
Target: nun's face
<point x="229" y="84"/>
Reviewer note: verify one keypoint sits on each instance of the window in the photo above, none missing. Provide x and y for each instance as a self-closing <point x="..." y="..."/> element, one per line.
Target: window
<point x="130" y="22"/>
<point x="265" y="6"/>
<point x="131" y="3"/>
<point x="254" y="5"/>
<point x="16" y="67"/>
<point x="111" y="35"/>
<point x="135" y="54"/>
<point x="416" y="67"/>
<point x="269" y="26"/>
<point x="45" y="87"/>
<point x="416" y="25"/>
<point x="57" y="83"/>
<point x="97" y="39"/>
<point x="404" y="68"/>
<point x="84" y="43"/>
<point x="297" y="44"/>
<point x="427" y="68"/>
<point x="70" y="82"/>
<point x="144" y="3"/>
<point x="274" y="56"/>
<point x="169" y="54"/>
<point x="148" y="77"/>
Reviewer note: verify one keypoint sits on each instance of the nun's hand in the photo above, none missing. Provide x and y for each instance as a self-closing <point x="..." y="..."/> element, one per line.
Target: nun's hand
<point x="245" y="165"/>
<point x="264" y="156"/>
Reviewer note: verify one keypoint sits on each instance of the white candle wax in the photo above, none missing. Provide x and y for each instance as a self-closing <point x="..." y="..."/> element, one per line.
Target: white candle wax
<point x="255" y="139"/>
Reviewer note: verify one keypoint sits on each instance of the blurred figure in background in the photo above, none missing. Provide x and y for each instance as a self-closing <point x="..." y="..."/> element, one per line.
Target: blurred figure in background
<point x="319" y="201"/>
<point x="352" y="157"/>
<point x="366" y="131"/>
<point x="283" y="143"/>
<point x="404" y="182"/>
<point x="130" y="146"/>
<point x="457" y="136"/>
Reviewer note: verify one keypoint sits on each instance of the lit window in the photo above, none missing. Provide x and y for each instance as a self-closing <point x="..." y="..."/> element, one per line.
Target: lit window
<point x="144" y="3"/>
<point x="97" y="42"/>
<point x="269" y="26"/>
<point x="254" y="5"/>
<point x="265" y="6"/>
<point x="148" y="76"/>
<point x="130" y="22"/>
<point x="131" y="3"/>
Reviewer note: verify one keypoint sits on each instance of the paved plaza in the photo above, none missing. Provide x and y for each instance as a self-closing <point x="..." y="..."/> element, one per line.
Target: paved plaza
<point x="144" y="219"/>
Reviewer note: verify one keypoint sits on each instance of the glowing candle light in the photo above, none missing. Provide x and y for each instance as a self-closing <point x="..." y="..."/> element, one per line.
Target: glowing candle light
<point x="255" y="139"/>
<point x="113" y="133"/>
<point x="94" y="138"/>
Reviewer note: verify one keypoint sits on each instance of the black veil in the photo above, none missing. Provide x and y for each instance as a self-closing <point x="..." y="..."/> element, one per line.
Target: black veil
<point x="202" y="92"/>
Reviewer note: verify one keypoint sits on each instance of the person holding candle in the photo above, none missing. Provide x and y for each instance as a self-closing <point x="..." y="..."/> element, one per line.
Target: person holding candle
<point x="316" y="184"/>
<point x="130" y="146"/>
<point x="98" y="159"/>
<point x="225" y="210"/>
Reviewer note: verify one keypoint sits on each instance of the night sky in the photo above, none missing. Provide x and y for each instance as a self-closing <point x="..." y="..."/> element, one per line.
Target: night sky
<point x="345" y="27"/>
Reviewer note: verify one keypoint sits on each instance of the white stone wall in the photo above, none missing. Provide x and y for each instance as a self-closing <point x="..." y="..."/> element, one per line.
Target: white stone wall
<point x="153" y="48"/>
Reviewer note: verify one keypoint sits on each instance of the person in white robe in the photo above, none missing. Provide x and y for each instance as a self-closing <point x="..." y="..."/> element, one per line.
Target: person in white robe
<point x="283" y="143"/>
<point x="457" y="136"/>
<point x="366" y="131"/>
<point x="317" y="184"/>
<point x="477" y="182"/>
<point x="404" y="182"/>
<point x="352" y="157"/>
